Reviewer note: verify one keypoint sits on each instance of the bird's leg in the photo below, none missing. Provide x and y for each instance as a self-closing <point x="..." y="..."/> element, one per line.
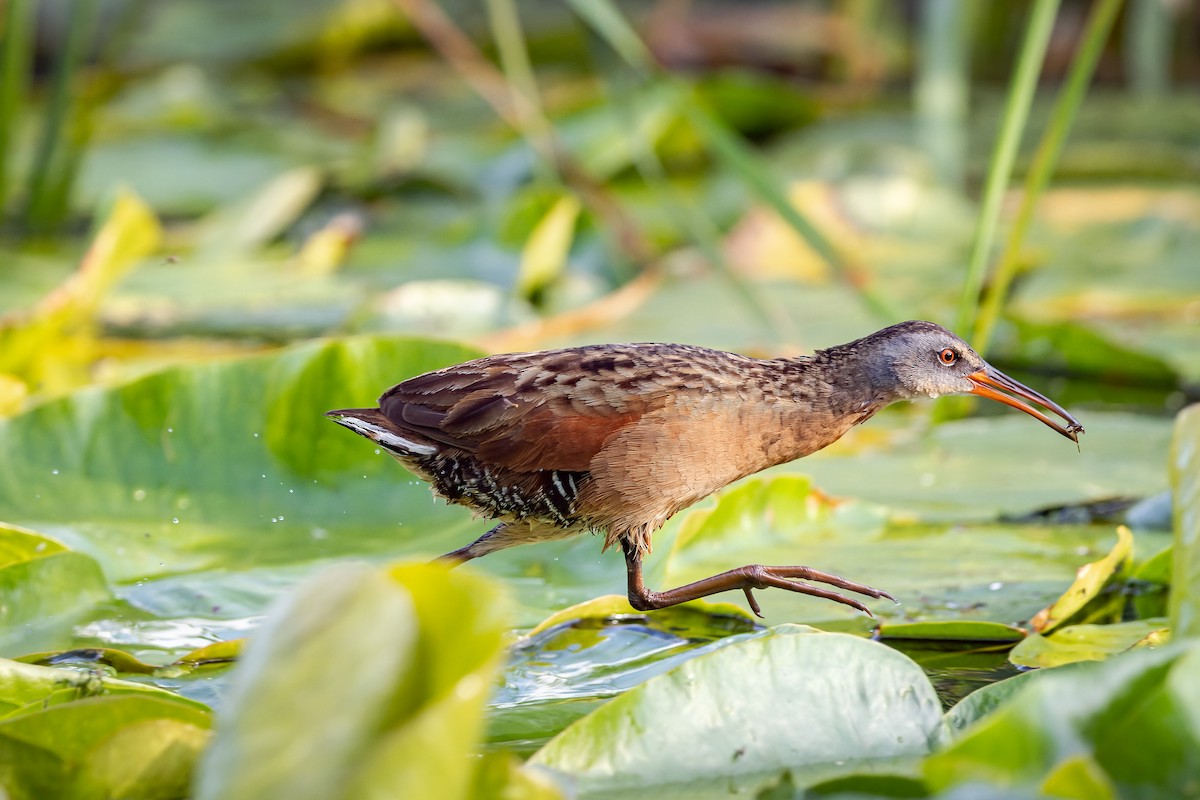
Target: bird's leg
<point x="495" y="539"/>
<point x="746" y="578"/>
<point x="507" y="534"/>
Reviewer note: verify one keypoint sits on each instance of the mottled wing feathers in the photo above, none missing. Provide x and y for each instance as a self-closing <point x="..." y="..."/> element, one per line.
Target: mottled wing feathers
<point x="525" y="412"/>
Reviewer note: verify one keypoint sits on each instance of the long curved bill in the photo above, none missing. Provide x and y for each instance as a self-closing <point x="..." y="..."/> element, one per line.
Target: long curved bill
<point x="992" y="383"/>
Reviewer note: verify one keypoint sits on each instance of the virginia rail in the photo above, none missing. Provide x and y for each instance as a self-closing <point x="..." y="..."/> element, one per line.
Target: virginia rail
<point x="618" y="437"/>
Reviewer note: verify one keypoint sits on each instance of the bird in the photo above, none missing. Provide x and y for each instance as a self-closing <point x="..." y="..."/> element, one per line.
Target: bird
<point x="617" y="438"/>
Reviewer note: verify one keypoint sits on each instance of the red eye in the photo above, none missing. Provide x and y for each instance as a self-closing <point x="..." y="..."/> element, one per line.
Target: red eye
<point x="948" y="356"/>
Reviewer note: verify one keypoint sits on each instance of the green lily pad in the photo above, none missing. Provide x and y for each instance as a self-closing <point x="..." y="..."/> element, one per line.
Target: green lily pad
<point x="67" y="732"/>
<point x="821" y="703"/>
<point x="1093" y="711"/>
<point x="226" y="462"/>
<point x="605" y="647"/>
<point x="616" y="607"/>
<point x="1185" y="479"/>
<point x="28" y="687"/>
<point x="117" y="660"/>
<point x="958" y="631"/>
<point x="1084" y="600"/>
<point x="44" y="587"/>
<point x="215" y="653"/>
<point x="1088" y="642"/>
<point x="996" y="573"/>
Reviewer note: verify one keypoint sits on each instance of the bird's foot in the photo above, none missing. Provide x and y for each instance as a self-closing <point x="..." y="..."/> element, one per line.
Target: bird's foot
<point x="757" y="576"/>
<point x="789" y="578"/>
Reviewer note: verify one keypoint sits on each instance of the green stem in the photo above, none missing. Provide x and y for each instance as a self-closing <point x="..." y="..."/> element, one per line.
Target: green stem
<point x="942" y="85"/>
<point x="1096" y="33"/>
<point x="45" y="206"/>
<point x="518" y="72"/>
<point x="14" y="76"/>
<point x="1148" y="47"/>
<point x="1016" y="111"/>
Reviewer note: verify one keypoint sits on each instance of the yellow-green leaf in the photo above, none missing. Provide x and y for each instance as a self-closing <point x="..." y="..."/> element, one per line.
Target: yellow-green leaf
<point x="1089" y="583"/>
<point x="545" y="252"/>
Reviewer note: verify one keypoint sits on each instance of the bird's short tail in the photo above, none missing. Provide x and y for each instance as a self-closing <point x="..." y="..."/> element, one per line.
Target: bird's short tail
<point x="371" y="423"/>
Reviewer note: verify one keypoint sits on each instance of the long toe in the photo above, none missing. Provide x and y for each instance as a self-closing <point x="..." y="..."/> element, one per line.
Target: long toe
<point x="810" y="574"/>
<point x="814" y="591"/>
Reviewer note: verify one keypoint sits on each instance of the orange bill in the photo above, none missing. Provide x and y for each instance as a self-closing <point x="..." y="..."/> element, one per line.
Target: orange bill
<point x="994" y="384"/>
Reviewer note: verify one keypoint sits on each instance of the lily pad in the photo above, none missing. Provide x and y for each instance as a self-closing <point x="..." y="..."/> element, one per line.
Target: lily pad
<point x="1082" y="602"/>
<point x="581" y="657"/>
<point x="1092" y="711"/>
<point x="1073" y="643"/>
<point x="67" y="732"/>
<point x="820" y="703"/>
<point x="169" y="473"/>
<point x="995" y="573"/>
<point x="44" y="587"/>
<point x="1185" y="479"/>
<point x="956" y="631"/>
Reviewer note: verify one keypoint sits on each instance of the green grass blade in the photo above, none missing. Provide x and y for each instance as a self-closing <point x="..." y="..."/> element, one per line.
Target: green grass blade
<point x="53" y="163"/>
<point x="1066" y="107"/>
<point x="15" y="47"/>
<point x="1020" y="97"/>
<point x="505" y="21"/>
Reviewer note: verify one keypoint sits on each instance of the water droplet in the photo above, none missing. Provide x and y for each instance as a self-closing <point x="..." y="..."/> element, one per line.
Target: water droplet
<point x="175" y="520"/>
<point x="377" y="451"/>
<point x="996" y="586"/>
<point x="256" y="435"/>
<point x="170" y="430"/>
<point x="53" y="472"/>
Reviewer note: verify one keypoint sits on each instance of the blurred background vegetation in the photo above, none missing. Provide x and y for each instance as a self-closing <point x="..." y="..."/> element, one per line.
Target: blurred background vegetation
<point x="763" y="176"/>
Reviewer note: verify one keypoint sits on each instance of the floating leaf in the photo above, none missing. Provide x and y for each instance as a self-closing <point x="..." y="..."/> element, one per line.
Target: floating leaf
<point x="76" y="733"/>
<point x="821" y="703"/>
<point x="1087" y="642"/>
<point x="129" y="746"/>
<point x="957" y="630"/>
<point x="616" y="607"/>
<point x="1185" y="479"/>
<point x="169" y="473"/>
<point x="999" y="573"/>
<point x="44" y="586"/>
<point x="1084" y="600"/>
<point x="1093" y="711"/>
<point x="25" y="687"/>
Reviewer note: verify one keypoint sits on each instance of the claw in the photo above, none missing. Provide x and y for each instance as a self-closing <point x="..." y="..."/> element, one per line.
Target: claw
<point x="753" y="603"/>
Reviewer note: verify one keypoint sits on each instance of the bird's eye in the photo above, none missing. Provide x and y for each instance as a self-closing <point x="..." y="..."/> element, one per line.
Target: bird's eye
<point x="948" y="356"/>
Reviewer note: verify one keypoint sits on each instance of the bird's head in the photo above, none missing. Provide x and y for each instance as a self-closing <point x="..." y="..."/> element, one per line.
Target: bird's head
<point x="926" y="360"/>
